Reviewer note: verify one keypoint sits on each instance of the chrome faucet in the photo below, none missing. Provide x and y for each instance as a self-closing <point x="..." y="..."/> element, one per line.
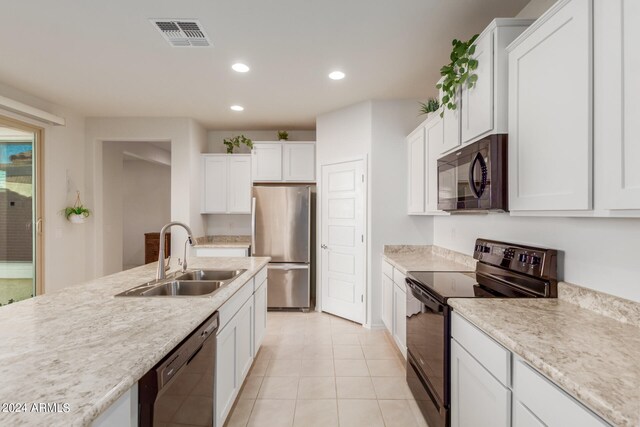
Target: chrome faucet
<point x="160" y="275"/>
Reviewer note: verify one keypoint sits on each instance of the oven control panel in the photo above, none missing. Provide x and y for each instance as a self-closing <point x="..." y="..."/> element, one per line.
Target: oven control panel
<point x="538" y="262"/>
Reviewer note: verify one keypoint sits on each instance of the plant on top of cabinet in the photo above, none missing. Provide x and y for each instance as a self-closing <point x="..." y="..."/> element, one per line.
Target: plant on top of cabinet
<point x="77" y="213"/>
<point x="458" y="72"/>
<point x="283" y="135"/>
<point x="432" y="105"/>
<point x="236" y="141"/>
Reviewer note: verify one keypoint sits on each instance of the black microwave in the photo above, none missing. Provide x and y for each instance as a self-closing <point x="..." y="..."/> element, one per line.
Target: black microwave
<point x="474" y="178"/>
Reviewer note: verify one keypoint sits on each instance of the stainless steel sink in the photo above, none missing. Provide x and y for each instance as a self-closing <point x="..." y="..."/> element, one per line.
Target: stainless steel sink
<point x="210" y="275"/>
<point x="189" y="283"/>
<point x="184" y="287"/>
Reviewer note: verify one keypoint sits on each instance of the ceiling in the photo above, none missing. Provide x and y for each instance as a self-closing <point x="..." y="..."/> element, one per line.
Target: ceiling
<point x="106" y="59"/>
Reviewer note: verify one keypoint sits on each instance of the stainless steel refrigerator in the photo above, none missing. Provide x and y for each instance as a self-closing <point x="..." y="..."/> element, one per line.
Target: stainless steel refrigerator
<point x="281" y="229"/>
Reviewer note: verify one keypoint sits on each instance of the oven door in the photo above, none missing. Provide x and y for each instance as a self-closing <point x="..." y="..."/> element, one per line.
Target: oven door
<point x="474" y="178"/>
<point x="428" y="354"/>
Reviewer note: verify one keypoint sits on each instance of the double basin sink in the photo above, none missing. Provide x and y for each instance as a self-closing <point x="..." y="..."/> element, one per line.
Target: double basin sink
<point x="187" y="283"/>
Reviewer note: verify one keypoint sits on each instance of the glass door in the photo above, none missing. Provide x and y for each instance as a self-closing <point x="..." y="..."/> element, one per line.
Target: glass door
<point x="19" y="212"/>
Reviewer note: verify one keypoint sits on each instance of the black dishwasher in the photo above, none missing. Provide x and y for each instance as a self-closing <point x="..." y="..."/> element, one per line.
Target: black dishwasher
<point x="180" y="388"/>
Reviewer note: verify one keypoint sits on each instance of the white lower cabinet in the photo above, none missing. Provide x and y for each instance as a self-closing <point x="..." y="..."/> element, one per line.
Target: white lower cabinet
<point x="236" y="344"/>
<point x="260" y="307"/>
<point x="222" y="252"/>
<point x="387" y="301"/>
<point x="122" y="413"/>
<point x="484" y="393"/>
<point x="400" y="317"/>
<point x="480" y="399"/>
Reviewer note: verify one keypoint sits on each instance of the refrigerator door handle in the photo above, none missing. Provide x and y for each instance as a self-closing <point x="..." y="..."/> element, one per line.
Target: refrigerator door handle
<point x="253" y="225"/>
<point x="288" y="266"/>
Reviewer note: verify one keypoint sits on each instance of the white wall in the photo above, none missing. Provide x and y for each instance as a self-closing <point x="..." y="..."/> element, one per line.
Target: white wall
<point x="375" y="131"/>
<point x="146" y="207"/>
<point x="64" y="173"/>
<point x="188" y="140"/>
<point x="215" y="138"/>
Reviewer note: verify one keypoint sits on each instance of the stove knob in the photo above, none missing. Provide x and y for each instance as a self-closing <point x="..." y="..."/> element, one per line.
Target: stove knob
<point x="486" y="249"/>
<point x="522" y="258"/>
<point x="534" y="260"/>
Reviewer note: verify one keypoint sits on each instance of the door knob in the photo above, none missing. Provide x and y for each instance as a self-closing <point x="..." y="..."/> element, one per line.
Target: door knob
<point x="324" y="246"/>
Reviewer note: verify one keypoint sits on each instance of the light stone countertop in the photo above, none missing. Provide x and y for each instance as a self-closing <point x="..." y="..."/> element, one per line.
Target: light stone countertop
<point x="591" y="356"/>
<point x="240" y="242"/>
<point x="427" y="258"/>
<point x="83" y="346"/>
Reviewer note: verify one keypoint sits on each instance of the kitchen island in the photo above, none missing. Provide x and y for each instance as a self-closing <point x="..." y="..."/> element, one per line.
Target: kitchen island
<point x="80" y="348"/>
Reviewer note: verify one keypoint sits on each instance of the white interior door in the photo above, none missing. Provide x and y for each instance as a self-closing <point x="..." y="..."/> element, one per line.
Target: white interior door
<point x="342" y="222"/>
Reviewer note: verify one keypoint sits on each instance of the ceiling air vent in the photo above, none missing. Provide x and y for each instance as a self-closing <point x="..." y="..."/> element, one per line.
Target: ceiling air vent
<point x="182" y="32"/>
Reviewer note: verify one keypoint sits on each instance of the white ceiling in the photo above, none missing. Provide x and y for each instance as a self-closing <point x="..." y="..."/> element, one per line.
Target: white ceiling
<point x="104" y="58"/>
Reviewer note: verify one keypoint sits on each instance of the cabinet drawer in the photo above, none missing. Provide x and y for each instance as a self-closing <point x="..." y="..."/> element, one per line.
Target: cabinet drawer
<point x="399" y="278"/>
<point x="233" y="304"/>
<point x="259" y="278"/>
<point x="549" y="404"/>
<point x="495" y="358"/>
<point x="387" y="269"/>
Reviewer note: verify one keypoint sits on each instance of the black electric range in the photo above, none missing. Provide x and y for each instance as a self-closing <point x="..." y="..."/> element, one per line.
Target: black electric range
<point x="504" y="270"/>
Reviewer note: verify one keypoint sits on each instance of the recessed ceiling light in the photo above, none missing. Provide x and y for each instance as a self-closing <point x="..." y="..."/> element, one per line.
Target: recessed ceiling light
<point x="239" y="67"/>
<point x="237" y="108"/>
<point x="336" y="75"/>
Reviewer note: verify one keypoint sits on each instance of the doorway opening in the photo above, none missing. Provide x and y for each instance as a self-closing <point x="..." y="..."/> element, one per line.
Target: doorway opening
<point x="20" y="211"/>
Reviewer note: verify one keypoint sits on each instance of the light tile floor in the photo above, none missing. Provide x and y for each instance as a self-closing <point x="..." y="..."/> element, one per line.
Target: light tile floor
<point x="314" y="369"/>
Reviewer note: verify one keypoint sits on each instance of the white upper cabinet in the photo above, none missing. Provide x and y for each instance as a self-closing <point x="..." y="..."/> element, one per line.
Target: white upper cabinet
<point x="266" y="161"/>
<point x="550" y="111"/>
<point x="226" y="183"/>
<point x="434" y="134"/>
<point x="451" y="129"/>
<point x="239" y="194"/>
<point x="299" y="161"/>
<point x="284" y="161"/>
<point x="484" y="107"/>
<point x="416" y="162"/>
<point x="617" y="104"/>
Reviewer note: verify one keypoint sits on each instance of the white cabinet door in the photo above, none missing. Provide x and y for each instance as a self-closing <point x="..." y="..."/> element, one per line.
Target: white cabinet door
<point x="122" y="413"/>
<point x="400" y="318"/>
<point x="617" y="103"/>
<point x="266" y="161"/>
<point x="550" y="112"/>
<point x="227" y="385"/>
<point x="477" y="103"/>
<point x="214" y="185"/>
<point x="260" y="308"/>
<point x="416" y="171"/>
<point x="451" y="129"/>
<point x="239" y="184"/>
<point x="434" y="137"/>
<point x="299" y="161"/>
<point x="477" y="398"/>
<point x="245" y="329"/>
<point x="387" y="302"/>
<point x="522" y="417"/>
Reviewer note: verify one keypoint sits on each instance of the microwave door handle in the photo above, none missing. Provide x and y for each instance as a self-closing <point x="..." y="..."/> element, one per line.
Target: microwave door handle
<point x="477" y="192"/>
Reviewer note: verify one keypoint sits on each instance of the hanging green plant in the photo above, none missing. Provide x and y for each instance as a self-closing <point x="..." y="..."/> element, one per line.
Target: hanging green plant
<point x="458" y="72"/>
<point x="76" y="213"/>
<point x="236" y="141"/>
<point x="283" y="135"/>
<point x="430" y="106"/>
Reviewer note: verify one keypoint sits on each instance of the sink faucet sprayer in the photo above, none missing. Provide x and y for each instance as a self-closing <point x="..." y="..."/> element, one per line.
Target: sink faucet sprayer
<point x="160" y="275"/>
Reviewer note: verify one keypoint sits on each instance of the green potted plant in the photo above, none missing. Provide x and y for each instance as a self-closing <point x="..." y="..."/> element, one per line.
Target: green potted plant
<point x="458" y="72"/>
<point x="77" y="213"/>
<point x="236" y="141"/>
<point x="432" y="105"/>
<point x="283" y="135"/>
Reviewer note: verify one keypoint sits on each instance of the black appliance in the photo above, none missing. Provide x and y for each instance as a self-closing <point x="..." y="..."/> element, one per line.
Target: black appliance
<point x="503" y="270"/>
<point x="180" y="388"/>
<point x="475" y="177"/>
